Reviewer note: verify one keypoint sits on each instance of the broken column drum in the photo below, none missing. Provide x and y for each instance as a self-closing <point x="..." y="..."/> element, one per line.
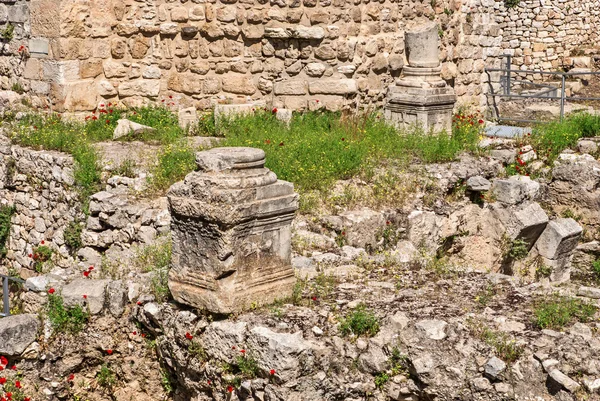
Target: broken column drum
<point x="231" y="229"/>
<point x="421" y="97"/>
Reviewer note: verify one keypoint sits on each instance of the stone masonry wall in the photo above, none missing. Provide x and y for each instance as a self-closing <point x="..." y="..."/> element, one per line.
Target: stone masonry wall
<point x="40" y="185"/>
<point x="291" y="53"/>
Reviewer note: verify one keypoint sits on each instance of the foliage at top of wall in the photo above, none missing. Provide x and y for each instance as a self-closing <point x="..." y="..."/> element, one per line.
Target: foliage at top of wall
<point x="6" y="213"/>
<point x="511" y="3"/>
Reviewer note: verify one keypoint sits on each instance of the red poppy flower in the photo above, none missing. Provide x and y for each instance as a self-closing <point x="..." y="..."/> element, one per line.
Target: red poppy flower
<point x="274" y="110"/>
<point x="188" y="336"/>
<point x="14" y="367"/>
<point x="170" y="97"/>
<point x="209" y="382"/>
<point x="94" y="118"/>
<point x="110" y="104"/>
<point x="317" y="100"/>
<point x="268" y="141"/>
<point x="243" y="351"/>
<point x="107" y="121"/>
<point x="102" y="105"/>
<point x="71" y="377"/>
<point x="86" y="273"/>
<point x="481" y="121"/>
<point x="84" y="296"/>
<point x="281" y="143"/>
<point x="110" y="111"/>
<point x="343" y="139"/>
<point x="272" y="372"/>
<point x="233" y="347"/>
<point x="343" y="233"/>
<point x="18" y="384"/>
<point x="163" y="100"/>
<point x="109" y="351"/>
<point x="134" y="333"/>
<point x="1" y="368"/>
<point x="139" y="303"/>
<point x="230" y="389"/>
<point x="8" y="395"/>
<point x="3" y="360"/>
<point x="314" y="298"/>
<point x="91" y="268"/>
<point x="143" y="335"/>
<point x="2" y="380"/>
<point x="30" y="255"/>
<point x="42" y="242"/>
<point x="51" y="291"/>
<point x="26" y="399"/>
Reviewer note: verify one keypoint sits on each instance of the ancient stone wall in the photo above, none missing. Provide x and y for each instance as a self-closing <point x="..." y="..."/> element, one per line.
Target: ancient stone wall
<point x="291" y="53"/>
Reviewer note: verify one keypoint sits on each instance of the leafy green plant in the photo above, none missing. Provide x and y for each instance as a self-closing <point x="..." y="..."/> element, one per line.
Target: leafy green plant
<point x="105" y="377"/>
<point x="65" y="320"/>
<point x="164" y="121"/>
<point x="8" y="32"/>
<point x="72" y="236"/>
<point x="6" y="213"/>
<point x="41" y="254"/>
<point x="248" y="366"/>
<point x="504" y="346"/>
<point x="596" y="269"/>
<point x="360" y="321"/>
<point x="557" y="312"/>
<point x="156" y="259"/>
<point x="126" y="169"/>
<point x="206" y="125"/>
<point x="166" y="381"/>
<point x="518" y="249"/>
<point x="197" y="351"/>
<point x="381" y="379"/>
<point x="14" y="387"/>
<point x="17" y="87"/>
<point x="511" y="3"/>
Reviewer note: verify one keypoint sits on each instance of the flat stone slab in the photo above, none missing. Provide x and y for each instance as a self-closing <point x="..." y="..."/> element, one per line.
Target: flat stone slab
<point x="17" y="332"/>
<point x="506" y="131"/>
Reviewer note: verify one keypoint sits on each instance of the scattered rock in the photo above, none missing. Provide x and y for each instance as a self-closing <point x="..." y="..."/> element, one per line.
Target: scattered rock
<point x="125" y="127"/>
<point x="17" y="332"/>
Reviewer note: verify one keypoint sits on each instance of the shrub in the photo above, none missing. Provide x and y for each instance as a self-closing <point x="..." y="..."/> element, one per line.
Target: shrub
<point x="519" y="249"/>
<point x="72" y="236"/>
<point x="65" y="320"/>
<point x="6" y="213"/>
<point x="557" y="312"/>
<point x="361" y="321"/>
<point x="17" y="87"/>
<point x="8" y="33"/>
<point x="41" y="254"/>
<point x="596" y="269"/>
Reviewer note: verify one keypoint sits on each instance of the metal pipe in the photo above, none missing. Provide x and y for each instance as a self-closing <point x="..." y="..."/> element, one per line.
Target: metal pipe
<point x="562" y="98"/>
<point x="5" y="296"/>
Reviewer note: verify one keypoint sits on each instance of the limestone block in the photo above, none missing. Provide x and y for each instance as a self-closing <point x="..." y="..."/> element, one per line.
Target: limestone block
<point x="221" y="339"/>
<point x="478" y="184"/>
<point x="94" y="290"/>
<point x="359" y="227"/>
<point x="422" y="45"/>
<point x="18" y="13"/>
<point x="239" y="84"/>
<point x="80" y="95"/>
<point x="231" y="233"/>
<point x="559" y="239"/>
<point x="305" y="32"/>
<point x="118" y="47"/>
<point x="17" y="332"/>
<point x="60" y="72"/>
<point x="526" y="221"/>
<point x="197" y="13"/>
<point x="90" y="68"/>
<point x="179" y="14"/>
<point x="333" y="87"/>
<point x="106" y="89"/>
<point x="288" y="354"/>
<point x="169" y="28"/>
<point x="514" y="190"/>
<point x="140" y="87"/>
<point x="290" y="88"/>
<point x="125" y="127"/>
<point x="187" y="117"/>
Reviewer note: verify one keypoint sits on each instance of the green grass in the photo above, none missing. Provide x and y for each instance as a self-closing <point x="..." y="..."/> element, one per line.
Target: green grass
<point x="63" y="319"/>
<point x="551" y="138"/>
<point x="505" y="347"/>
<point x="596" y="269"/>
<point x="6" y="213"/>
<point x="320" y="148"/>
<point x="174" y="162"/>
<point x="156" y="260"/>
<point x="558" y="312"/>
<point x="360" y="321"/>
<point x="72" y="236"/>
<point x="248" y="366"/>
<point x="105" y="377"/>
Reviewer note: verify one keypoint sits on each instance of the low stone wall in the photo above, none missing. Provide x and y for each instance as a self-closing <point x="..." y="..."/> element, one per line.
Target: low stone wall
<point x="298" y="54"/>
<point x="40" y="185"/>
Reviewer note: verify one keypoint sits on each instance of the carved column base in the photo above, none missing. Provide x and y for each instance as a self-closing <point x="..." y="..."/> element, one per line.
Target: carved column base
<point x="428" y="108"/>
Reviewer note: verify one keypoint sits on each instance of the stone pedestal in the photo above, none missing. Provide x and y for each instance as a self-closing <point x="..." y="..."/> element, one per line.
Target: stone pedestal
<point x="231" y="228"/>
<point x="421" y="97"/>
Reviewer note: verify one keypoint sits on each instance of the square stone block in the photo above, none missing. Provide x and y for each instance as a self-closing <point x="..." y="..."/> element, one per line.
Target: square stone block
<point x="559" y="239"/>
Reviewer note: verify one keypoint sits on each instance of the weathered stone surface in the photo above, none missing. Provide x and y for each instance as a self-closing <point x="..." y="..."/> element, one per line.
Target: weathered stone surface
<point x="222" y="339"/>
<point x="125" y="127"/>
<point x="188" y="117"/>
<point x="478" y="184"/>
<point x="565" y="381"/>
<point x="94" y="290"/>
<point x="514" y="190"/>
<point x="17" y="332"/>
<point x="494" y="368"/>
<point x="116" y="293"/>
<point x="288" y="354"/>
<point x="559" y="239"/>
<point x="253" y="254"/>
<point x="140" y="87"/>
<point x="422" y="45"/>
<point x="333" y="87"/>
<point x="589" y="292"/>
<point x="526" y="221"/>
<point x="432" y="329"/>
